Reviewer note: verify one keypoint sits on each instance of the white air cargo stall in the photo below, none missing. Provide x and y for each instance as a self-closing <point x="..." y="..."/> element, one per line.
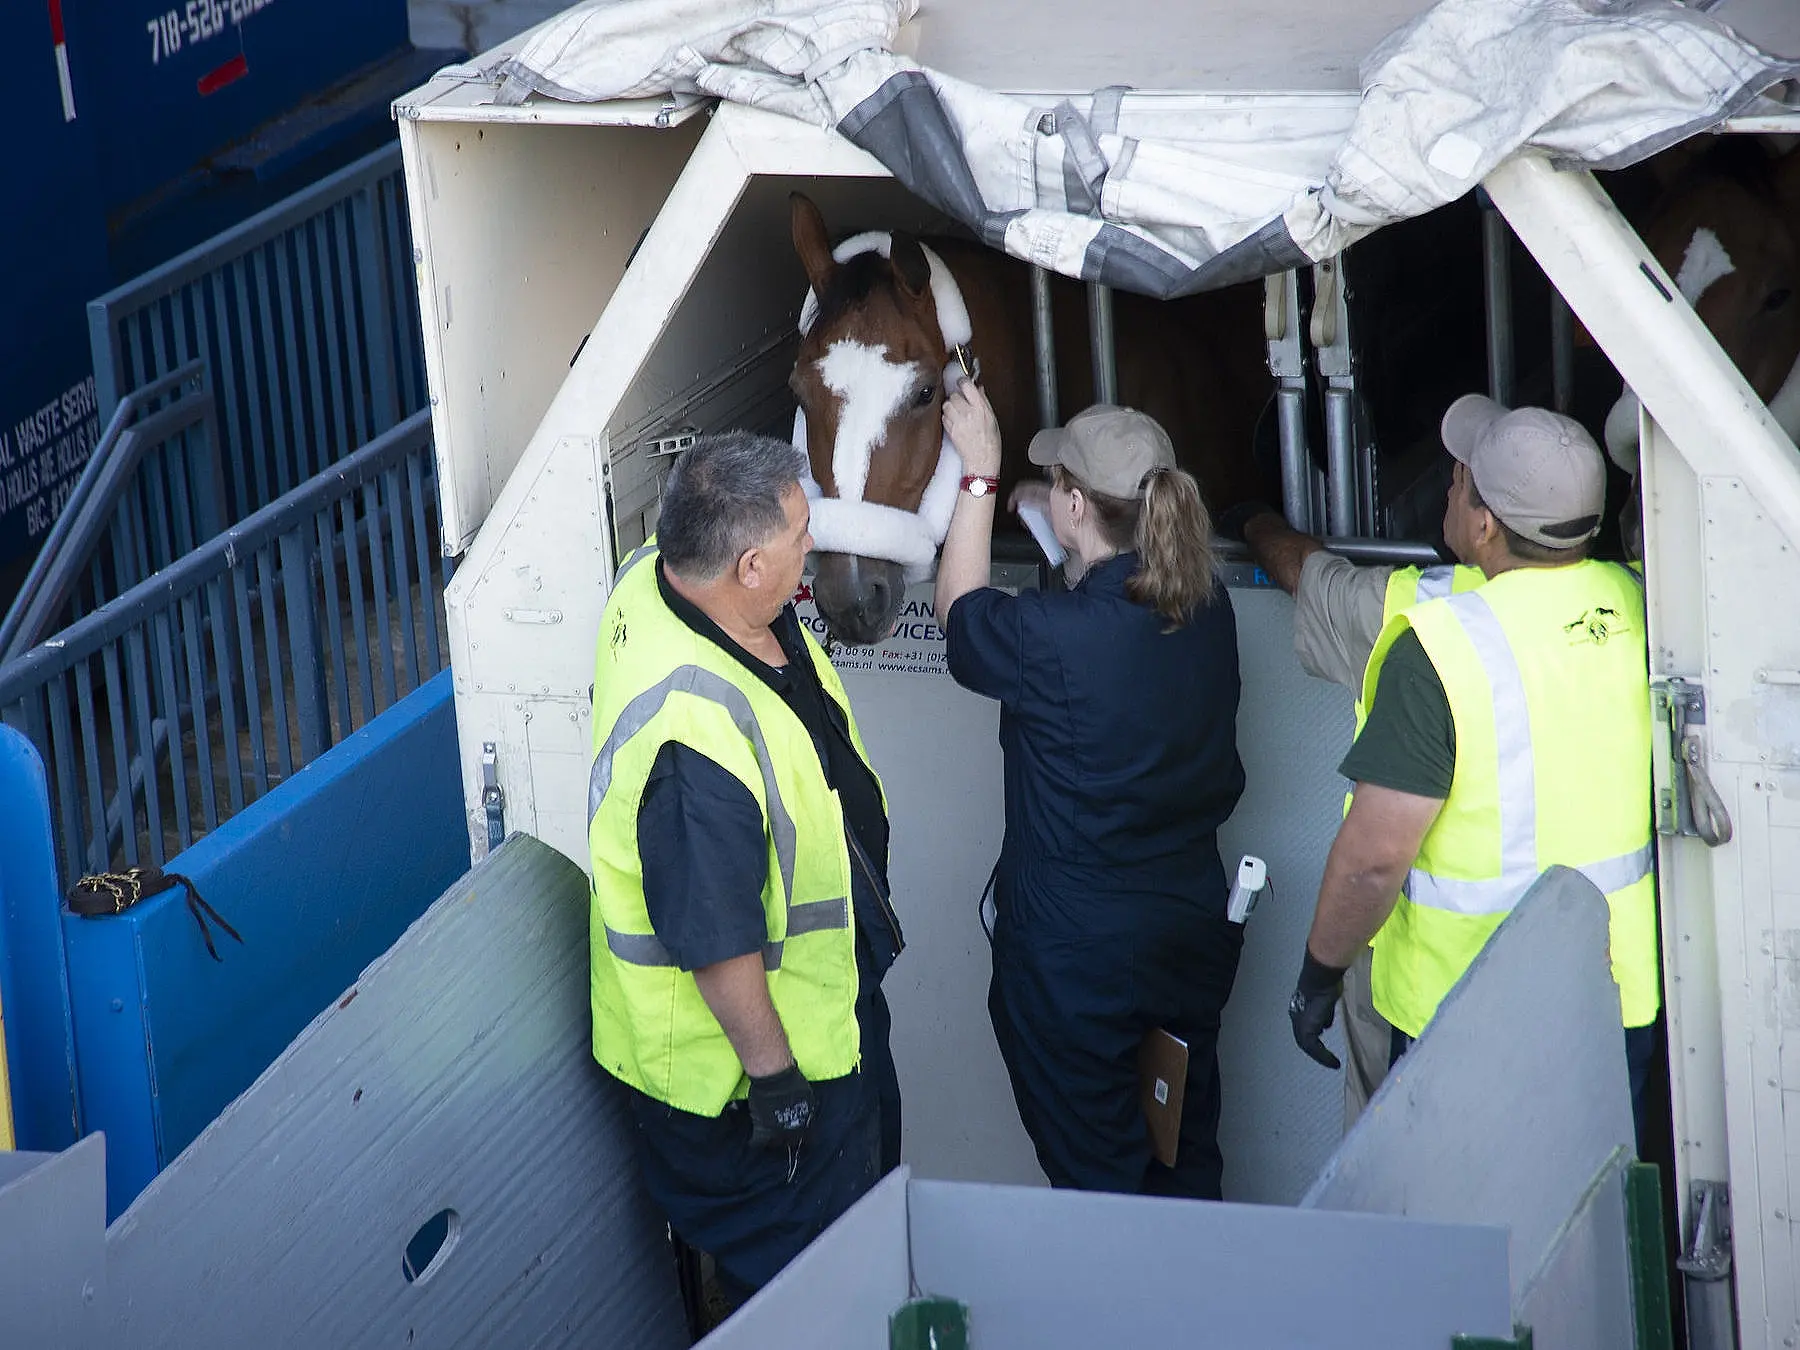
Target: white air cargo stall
<point x="600" y="214"/>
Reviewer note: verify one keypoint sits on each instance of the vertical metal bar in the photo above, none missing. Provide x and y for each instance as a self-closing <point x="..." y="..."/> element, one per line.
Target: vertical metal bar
<point x="311" y="702"/>
<point x="1296" y="464"/>
<point x="1105" y="353"/>
<point x="1043" y="347"/>
<point x="295" y="343"/>
<point x="253" y="708"/>
<point x="339" y="376"/>
<point x="408" y="342"/>
<point x="224" y="662"/>
<point x="81" y="845"/>
<point x="422" y="556"/>
<point x="358" y="615"/>
<point x="1340" y="451"/>
<point x="115" y="707"/>
<point x="137" y="680"/>
<point x="403" y="591"/>
<point x="335" y="614"/>
<point x="62" y="764"/>
<point x="172" y="717"/>
<point x="279" y="394"/>
<point x="374" y="302"/>
<point x="281" y="729"/>
<point x="357" y="369"/>
<point x="1496" y="246"/>
<point x="378" y="574"/>
<point x="192" y="628"/>
<point x="240" y="441"/>
<point x="308" y="259"/>
<point x="153" y="471"/>
<point x="1562" y="352"/>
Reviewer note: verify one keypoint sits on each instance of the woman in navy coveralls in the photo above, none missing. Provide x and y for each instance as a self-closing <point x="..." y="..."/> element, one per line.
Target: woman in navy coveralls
<point x="1118" y="727"/>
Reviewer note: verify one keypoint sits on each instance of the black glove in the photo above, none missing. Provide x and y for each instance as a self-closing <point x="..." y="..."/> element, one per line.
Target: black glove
<point x="781" y="1108"/>
<point x="1231" y="521"/>
<point x="1313" y="1006"/>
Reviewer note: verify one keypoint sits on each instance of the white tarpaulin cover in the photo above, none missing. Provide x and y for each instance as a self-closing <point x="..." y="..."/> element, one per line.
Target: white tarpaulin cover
<point x="1166" y="194"/>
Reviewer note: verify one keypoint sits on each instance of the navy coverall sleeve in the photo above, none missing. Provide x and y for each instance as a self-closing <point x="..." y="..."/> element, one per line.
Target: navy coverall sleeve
<point x="984" y="642"/>
<point x="705" y="858"/>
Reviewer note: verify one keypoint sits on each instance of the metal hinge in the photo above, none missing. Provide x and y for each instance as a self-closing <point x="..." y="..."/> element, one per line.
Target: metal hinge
<point x="493" y="796"/>
<point x="1705" y="1266"/>
<point x="1686" y="801"/>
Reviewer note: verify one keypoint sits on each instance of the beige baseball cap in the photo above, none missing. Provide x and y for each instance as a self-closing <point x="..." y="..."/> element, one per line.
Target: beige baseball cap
<point x="1107" y="447"/>
<point x="1536" y="470"/>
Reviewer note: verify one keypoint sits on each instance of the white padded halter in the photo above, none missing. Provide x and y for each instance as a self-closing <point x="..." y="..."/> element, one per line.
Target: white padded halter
<point x="868" y="529"/>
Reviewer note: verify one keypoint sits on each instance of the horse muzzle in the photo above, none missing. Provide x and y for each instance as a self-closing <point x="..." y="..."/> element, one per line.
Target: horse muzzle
<point x="859" y="598"/>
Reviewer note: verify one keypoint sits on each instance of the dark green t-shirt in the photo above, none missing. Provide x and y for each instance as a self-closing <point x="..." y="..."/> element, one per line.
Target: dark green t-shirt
<point x="1409" y="742"/>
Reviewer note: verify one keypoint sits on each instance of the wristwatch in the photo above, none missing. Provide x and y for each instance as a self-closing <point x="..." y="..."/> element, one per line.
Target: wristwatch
<point x="979" y="485"/>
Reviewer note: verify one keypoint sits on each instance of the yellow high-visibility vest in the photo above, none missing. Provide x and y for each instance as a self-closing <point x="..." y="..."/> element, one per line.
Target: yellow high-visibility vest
<point x="1547" y="677"/>
<point x="655" y="681"/>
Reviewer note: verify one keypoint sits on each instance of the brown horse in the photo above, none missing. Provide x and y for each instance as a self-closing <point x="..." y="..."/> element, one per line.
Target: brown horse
<point x="870" y="380"/>
<point x="1727" y="229"/>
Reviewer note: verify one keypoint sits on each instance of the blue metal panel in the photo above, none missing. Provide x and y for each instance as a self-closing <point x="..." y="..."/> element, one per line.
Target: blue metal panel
<point x="174" y="81"/>
<point x="320" y="878"/>
<point x="52" y="257"/>
<point x="34" y="977"/>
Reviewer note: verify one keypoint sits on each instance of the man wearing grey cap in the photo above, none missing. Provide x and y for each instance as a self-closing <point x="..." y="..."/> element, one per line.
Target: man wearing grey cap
<point x="1508" y="731"/>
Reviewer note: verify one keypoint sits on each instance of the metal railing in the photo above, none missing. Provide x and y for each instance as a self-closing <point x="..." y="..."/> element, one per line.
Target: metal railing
<point x="174" y="705"/>
<point x="150" y="492"/>
<point x="306" y="319"/>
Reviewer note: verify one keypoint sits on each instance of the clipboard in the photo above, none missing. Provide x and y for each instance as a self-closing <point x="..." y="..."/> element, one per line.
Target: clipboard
<point x="1162" y="1082"/>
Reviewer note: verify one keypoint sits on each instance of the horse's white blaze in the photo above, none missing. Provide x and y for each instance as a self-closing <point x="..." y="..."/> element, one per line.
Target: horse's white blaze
<point x="870" y="390"/>
<point x="1704" y="263"/>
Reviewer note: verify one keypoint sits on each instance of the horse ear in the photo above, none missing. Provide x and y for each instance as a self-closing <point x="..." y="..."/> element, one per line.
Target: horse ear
<point x="812" y="242"/>
<point x="910" y="264"/>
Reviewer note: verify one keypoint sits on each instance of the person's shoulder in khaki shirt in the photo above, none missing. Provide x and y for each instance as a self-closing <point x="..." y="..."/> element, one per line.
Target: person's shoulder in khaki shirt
<point x="1337" y="617"/>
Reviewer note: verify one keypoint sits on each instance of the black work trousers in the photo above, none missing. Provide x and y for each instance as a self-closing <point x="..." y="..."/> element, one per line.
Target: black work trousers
<point x="753" y="1210"/>
<point x="1070" y="1012"/>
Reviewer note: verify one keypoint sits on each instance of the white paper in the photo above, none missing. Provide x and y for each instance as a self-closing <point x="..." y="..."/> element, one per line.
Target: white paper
<point x="1039" y="525"/>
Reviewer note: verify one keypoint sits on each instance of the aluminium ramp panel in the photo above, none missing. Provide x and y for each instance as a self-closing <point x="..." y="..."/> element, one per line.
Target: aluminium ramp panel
<point x="1722" y="534"/>
<point x="455" y="1074"/>
<point x="1055" y="1270"/>
<point x="53" y="1247"/>
<point x="1515" y="1099"/>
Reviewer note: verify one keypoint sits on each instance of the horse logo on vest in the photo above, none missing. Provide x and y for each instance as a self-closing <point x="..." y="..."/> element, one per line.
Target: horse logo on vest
<point x="1596" y="625"/>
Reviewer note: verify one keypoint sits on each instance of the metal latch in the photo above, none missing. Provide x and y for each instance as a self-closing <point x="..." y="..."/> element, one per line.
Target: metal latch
<point x="1686" y="801"/>
<point x="493" y="796"/>
<point x="671" y="442"/>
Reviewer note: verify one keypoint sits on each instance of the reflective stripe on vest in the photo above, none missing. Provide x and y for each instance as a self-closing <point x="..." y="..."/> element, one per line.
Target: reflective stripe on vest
<point x="632" y="559"/>
<point x="1518" y="789"/>
<point x="643" y="949"/>
<point x="1434" y="584"/>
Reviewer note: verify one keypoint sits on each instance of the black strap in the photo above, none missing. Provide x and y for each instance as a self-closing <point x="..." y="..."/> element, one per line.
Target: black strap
<point x="100" y="894"/>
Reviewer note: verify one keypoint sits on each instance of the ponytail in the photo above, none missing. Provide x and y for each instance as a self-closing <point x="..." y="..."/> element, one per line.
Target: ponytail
<point x="1177" y="567"/>
<point x="1168" y="527"/>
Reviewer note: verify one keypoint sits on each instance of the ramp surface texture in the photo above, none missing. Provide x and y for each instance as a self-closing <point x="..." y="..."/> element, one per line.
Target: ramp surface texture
<point x="456" y="1076"/>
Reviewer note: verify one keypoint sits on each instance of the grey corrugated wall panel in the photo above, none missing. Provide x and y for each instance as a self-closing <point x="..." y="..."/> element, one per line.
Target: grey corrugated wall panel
<point x="52" y="1247"/>
<point x="1514" y="1098"/>
<point x="455" y="1074"/>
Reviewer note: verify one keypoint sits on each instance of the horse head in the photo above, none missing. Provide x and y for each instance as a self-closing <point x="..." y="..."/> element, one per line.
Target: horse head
<point x="869" y="380"/>
<point x="1728" y="230"/>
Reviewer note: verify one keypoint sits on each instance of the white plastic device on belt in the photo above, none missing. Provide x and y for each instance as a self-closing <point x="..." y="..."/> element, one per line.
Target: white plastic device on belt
<point x="1252" y="876"/>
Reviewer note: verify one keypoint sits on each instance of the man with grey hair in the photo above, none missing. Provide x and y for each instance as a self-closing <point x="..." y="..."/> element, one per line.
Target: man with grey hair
<point x="740" y="922"/>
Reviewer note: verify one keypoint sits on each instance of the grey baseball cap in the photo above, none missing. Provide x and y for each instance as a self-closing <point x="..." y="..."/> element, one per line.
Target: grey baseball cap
<point x="1536" y="470"/>
<point x="1108" y="448"/>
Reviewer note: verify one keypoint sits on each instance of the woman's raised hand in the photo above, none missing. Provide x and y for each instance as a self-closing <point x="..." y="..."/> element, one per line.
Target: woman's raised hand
<point x="970" y="424"/>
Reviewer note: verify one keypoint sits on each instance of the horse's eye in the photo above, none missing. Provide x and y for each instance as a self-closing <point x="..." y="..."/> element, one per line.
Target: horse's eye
<point x="1778" y="299"/>
<point x="923" y="398"/>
